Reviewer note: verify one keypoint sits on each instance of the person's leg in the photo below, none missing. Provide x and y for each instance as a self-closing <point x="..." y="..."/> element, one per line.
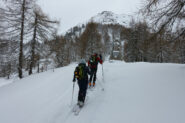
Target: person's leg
<point x="84" y="95"/>
<point x="94" y="79"/>
<point x="80" y="93"/>
<point x="91" y="77"/>
<point x="84" y="92"/>
<point x="84" y="89"/>
<point x="80" y="96"/>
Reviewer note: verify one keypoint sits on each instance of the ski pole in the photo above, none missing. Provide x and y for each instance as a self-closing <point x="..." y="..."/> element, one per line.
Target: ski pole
<point x="72" y="93"/>
<point x="102" y="73"/>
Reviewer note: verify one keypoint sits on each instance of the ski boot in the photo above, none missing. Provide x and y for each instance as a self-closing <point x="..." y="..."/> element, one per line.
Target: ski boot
<point x="93" y="84"/>
<point x="81" y="104"/>
<point x="89" y="84"/>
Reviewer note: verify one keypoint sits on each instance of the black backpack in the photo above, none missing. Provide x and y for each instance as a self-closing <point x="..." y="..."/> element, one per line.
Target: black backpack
<point x="93" y="60"/>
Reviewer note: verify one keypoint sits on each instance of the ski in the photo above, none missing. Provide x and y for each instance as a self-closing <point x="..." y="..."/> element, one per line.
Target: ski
<point x="77" y="109"/>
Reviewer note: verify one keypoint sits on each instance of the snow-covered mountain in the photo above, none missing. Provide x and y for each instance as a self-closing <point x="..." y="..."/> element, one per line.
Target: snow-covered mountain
<point x="108" y="17"/>
<point x="108" y="22"/>
<point x="109" y="26"/>
<point x="104" y="18"/>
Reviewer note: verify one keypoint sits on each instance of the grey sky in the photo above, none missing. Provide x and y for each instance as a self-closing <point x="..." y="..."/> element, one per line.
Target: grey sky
<point x="72" y="12"/>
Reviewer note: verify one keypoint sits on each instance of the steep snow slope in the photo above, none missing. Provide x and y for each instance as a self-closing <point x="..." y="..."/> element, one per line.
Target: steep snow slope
<point x="134" y="93"/>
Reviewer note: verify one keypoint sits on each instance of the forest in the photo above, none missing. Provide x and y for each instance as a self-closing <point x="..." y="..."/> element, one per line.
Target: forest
<point x="29" y="41"/>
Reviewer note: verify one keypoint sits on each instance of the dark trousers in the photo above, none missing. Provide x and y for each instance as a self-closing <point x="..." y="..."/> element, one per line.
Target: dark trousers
<point x="82" y="89"/>
<point x="93" y="75"/>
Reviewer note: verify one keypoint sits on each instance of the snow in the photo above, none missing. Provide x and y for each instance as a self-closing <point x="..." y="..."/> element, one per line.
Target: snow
<point x="105" y="17"/>
<point x="108" y="17"/>
<point x="4" y="82"/>
<point x="134" y="93"/>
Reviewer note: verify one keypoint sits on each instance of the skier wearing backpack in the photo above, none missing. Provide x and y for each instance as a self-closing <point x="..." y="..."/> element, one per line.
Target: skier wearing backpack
<point x="93" y="65"/>
<point x="81" y="74"/>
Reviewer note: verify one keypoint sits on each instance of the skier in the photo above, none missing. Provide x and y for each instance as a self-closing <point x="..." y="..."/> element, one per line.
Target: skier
<point x="81" y="74"/>
<point x="93" y="65"/>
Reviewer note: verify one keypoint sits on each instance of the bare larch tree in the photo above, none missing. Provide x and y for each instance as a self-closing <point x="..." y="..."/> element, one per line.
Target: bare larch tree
<point x="43" y="29"/>
<point x="169" y="14"/>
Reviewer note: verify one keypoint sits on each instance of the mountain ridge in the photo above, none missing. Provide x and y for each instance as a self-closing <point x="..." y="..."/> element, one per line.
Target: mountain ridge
<point x="105" y="18"/>
<point x="109" y="17"/>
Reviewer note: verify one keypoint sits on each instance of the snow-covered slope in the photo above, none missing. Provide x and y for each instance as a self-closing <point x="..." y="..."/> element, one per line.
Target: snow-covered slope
<point x="134" y="93"/>
<point x="108" y="17"/>
<point x="4" y="82"/>
<point x="104" y="18"/>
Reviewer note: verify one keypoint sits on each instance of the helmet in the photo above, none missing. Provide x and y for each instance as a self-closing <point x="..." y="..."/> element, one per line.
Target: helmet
<point x="82" y="61"/>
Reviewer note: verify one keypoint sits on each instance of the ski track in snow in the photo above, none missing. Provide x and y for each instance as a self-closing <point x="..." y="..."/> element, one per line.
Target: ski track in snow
<point x="133" y="93"/>
<point x="89" y="110"/>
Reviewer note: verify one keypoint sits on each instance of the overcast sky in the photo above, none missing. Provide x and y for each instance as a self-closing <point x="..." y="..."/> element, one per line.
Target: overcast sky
<point x="73" y="12"/>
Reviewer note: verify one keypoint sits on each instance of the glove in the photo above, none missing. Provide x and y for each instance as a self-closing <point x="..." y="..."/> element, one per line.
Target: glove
<point x="74" y="80"/>
<point x="101" y="61"/>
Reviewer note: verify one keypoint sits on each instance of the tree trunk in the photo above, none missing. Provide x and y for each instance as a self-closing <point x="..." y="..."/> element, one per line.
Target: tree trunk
<point x="33" y="46"/>
<point x="38" y="68"/>
<point x="21" y="40"/>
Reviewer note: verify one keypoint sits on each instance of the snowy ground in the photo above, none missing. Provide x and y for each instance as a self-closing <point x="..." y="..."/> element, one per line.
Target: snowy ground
<point x="4" y="82"/>
<point x="134" y="93"/>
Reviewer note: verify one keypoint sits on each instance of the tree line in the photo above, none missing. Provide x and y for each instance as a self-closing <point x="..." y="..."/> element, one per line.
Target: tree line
<point x="28" y="39"/>
<point x="22" y="22"/>
<point x="144" y="45"/>
<point x="164" y="39"/>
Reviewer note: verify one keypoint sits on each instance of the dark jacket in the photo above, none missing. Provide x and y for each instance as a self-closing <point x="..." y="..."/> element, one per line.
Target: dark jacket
<point x="86" y="72"/>
<point x="95" y="64"/>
